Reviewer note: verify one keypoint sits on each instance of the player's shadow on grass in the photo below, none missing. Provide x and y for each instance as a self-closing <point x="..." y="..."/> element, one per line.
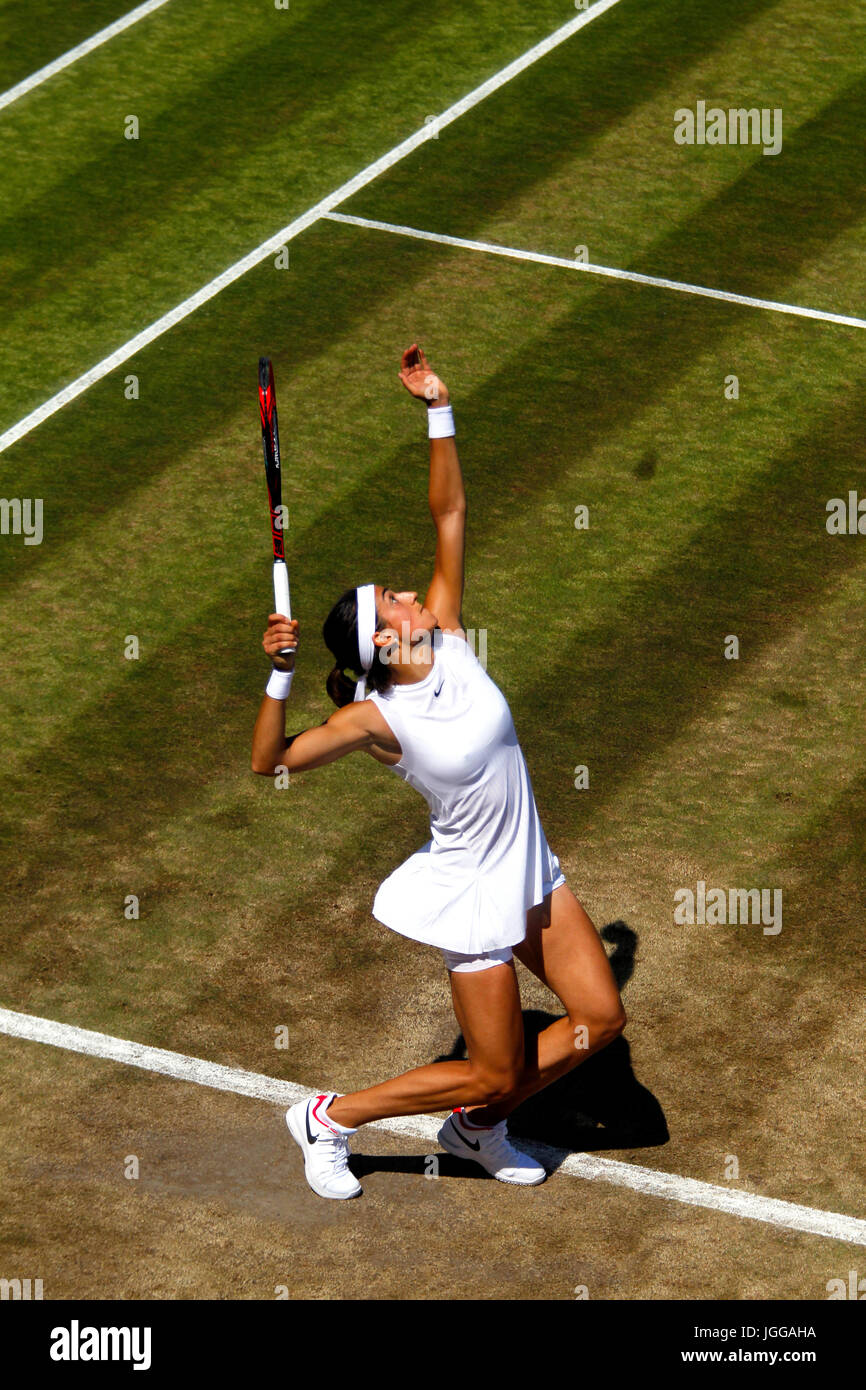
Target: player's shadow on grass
<point x="599" y="1105"/>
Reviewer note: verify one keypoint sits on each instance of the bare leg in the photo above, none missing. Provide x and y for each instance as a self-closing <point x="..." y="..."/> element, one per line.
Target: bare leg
<point x="563" y="948"/>
<point x="489" y="1015"/>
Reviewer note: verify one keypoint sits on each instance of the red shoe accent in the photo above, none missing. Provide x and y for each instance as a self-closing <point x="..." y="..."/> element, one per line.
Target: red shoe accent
<point x="321" y="1119"/>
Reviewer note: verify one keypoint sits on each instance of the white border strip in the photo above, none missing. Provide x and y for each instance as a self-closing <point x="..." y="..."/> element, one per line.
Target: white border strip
<point x="288" y="233"/>
<point x="566" y="264"/>
<point x="67" y="59"/>
<point x="648" y="1181"/>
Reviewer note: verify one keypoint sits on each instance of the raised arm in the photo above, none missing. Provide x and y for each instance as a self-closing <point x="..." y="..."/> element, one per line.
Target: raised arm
<point x="347" y="730"/>
<point x="446" y="494"/>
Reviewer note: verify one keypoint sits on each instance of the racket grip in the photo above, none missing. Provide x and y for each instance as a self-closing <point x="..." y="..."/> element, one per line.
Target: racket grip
<point x="282" y="602"/>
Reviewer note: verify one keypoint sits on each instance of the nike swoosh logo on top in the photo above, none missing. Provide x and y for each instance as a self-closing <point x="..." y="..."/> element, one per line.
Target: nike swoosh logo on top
<point x="437" y="692"/>
<point x="468" y="1142"/>
<point x="313" y="1138"/>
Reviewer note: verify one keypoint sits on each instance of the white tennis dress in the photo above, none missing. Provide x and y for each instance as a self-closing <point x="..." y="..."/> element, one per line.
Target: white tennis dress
<point x="487" y="862"/>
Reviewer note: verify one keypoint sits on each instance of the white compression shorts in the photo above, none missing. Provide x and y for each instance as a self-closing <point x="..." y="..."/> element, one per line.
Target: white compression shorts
<point x="455" y="960"/>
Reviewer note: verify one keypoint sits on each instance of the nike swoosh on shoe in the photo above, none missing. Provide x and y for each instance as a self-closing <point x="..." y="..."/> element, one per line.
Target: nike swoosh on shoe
<point x="313" y="1138"/>
<point x="470" y="1144"/>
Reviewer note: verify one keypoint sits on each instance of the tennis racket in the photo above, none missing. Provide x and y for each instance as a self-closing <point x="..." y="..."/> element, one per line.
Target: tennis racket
<point x="273" y="475"/>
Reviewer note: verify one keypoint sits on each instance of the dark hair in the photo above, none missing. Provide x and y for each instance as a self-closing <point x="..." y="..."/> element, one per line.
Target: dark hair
<point x="340" y="631"/>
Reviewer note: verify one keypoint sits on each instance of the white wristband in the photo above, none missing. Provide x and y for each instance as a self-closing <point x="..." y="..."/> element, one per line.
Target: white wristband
<point x="440" y="422"/>
<point x="279" y="684"/>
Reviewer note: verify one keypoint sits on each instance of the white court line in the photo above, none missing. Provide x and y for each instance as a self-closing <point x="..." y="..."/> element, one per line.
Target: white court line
<point x="492" y="249"/>
<point x="67" y="59"/>
<point x="288" y="233"/>
<point x="648" y="1181"/>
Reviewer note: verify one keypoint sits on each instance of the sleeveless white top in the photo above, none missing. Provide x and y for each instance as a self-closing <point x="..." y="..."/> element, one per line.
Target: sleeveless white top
<point x="487" y="862"/>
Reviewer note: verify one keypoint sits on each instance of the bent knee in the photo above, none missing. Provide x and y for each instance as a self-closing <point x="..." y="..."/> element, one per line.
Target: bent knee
<point x="603" y="1028"/>
<point x="494" y="1087"/>
<point x="614" y="1024"/>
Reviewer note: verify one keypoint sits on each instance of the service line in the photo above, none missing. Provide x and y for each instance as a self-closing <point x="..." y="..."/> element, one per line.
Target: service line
<point x="274" y="243"/>
<point x="540" y="259"/>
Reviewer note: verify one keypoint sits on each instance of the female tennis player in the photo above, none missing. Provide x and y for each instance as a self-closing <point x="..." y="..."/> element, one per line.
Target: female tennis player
<point x="486" y="887"/>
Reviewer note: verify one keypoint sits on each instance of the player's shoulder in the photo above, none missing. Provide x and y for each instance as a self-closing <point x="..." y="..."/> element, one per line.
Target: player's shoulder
<point x="354" y="715"/>
<point x="367" y="715"/>
<point x="360" y="721"/>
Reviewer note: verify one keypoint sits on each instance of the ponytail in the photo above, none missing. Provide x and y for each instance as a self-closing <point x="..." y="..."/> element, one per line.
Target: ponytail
<point x="340" y="631"/>
<point x="340" y="688"/>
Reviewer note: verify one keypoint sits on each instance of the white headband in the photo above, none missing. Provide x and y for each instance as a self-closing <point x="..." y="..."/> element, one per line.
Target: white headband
<point x="366" y="599"/>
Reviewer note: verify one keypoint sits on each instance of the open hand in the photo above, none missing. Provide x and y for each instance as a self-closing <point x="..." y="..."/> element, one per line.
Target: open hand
<point x="419" y="378"/>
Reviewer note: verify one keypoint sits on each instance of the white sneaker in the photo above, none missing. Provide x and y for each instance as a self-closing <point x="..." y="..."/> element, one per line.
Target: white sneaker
<point x="325" y="1150"/>
<point x="492" y="1149"/>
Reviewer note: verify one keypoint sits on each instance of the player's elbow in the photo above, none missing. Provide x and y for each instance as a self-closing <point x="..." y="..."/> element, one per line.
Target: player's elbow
<point x="265" y="767"/>
<point x="454" y="508"/>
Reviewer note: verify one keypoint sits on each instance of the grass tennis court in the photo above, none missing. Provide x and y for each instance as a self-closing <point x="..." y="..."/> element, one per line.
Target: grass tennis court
<point x="706" y="519"/>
